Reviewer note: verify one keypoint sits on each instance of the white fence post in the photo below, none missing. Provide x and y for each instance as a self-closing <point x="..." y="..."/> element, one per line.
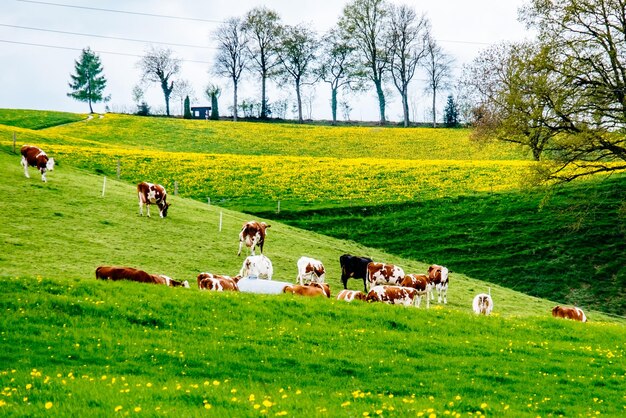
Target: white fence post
<point x="175" y="188"/>
<point x="209" y="200"/>
<point x="278" y="208"/>
<point x="221" y="214"/>
<point x="104" y="185"/>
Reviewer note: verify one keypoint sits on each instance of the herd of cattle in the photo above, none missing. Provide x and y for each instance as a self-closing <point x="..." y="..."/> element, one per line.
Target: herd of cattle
<point x="382" y="282"/>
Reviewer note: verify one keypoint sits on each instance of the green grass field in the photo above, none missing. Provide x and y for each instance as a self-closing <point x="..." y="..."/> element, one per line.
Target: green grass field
<point x="71" y="344"/>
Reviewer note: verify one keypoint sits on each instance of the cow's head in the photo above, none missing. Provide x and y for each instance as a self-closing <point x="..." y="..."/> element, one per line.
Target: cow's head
<point x="50" y="164"/>
<point x="163" y="209"/>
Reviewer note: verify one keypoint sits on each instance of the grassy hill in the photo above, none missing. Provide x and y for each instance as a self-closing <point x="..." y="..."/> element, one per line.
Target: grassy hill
<point x="69" y="343"/>
<point x="460" y="204"/>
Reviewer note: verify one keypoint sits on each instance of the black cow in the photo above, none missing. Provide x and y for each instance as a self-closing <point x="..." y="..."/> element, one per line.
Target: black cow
<point x="355" y="267"/>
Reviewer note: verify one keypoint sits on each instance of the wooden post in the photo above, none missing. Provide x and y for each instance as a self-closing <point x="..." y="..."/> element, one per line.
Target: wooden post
<point x="175" y="188"/>
<point x="104" y="185"/>
<point x="209" y="200"/>
<point x="278" y="208"/>
<point x="221" y="220"/>
<point x="14" y="138"/>
<point x="118" y="169"/>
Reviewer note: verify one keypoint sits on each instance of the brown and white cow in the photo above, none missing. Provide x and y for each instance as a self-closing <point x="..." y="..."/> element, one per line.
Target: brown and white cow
<point x="258" y="266"/>
<point x="576" y="314"/>
<point x="385" y="274"/>
<point x="35" y="157"/>
<point x="312" y="289"/>
<point x="310" y="270"/>
<point x="396" y="295"/>
<point x="216" y="282"/>
<point x="438" y="276"/>
<point x="482" y="304"/>
<point x="253" y="234"/>
<point x="351" y="295"/>
<point x="136" y="275"/>
<point x="152" y="194"/>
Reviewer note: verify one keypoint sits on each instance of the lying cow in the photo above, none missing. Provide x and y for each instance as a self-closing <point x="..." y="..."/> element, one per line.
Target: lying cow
<point x="252" y="234"/>
<point x="152" y="194"/>
<point x="350" y="295"/>
<point x="136" y="275"/>
<point x="482" y="304"/>
<point x="35" y="157"/>
<point x="355" y="267"/>
<point x="576" y="314"/>
<point x="384" y="274"/>
<point x="310" y="270"/>
<point x="397" y="295"/>
<point x="257" y="265"/>
<point x="216" y="282"/>
<point x="312" y="289"/>
<point x="438" y="276"/>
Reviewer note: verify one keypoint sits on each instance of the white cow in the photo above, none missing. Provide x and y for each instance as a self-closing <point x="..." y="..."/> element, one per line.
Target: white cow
<point x="311" y="270"/>
<point x="483" y="304"/>
<point x="258" y="266"/>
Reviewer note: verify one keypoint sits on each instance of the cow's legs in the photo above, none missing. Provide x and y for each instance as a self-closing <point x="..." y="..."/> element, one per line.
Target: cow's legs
<point x="254" y="242"/>
<point x="43" y="176"/>
<point x="25" y="165"/>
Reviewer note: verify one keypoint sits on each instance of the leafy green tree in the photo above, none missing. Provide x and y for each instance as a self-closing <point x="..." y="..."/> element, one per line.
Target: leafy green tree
<point x="451" y="113"/>
<point x="88" y="83"/>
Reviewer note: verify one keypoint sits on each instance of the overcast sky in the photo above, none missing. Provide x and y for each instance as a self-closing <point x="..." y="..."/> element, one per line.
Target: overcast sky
<point x="36" y="59"/>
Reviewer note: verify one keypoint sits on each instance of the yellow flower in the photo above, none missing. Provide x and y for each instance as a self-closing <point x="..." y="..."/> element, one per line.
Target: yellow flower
<point x="137" y="409"/>
<point x="345" y="404"/>
<point x="267" y="403"/>
<point x="48" y="405"/>
<point x="28" y="386"/>
<point x="207" y="406"/>
<point x="483" y="405"/>
<point x="118" y="408"/>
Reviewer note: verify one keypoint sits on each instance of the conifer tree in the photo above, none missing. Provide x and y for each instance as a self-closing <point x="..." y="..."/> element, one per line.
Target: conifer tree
<point x="88" y="83"/>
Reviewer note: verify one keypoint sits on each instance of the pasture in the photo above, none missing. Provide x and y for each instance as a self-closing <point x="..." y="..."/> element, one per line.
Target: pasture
<point x="71" y="343"/>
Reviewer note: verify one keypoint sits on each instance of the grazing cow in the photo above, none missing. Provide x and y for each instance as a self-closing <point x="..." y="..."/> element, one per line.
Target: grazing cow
<point x="136" y="275"/>
<point x="253" y="234"/>
<point x="35" y="157"/>
<point x="350" y="295"/>
<point x="311" y="270"/>
<point x="482" y="304"/>
<point x="152" y="194"/>
<point x="216" y="282"/>
<point x="439" y="278"/>
<point x="381" y="273"/>
<point x="257" y="265"/>
<point x="355" y="267"/>
<point x="313" y="289"/>
<point x="396" y="295"/>
<point x="576" y="314"/>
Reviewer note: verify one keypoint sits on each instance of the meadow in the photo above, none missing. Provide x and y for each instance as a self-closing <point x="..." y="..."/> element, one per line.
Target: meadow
<point x="70" y="343"/>
<point x="470" y="206"/>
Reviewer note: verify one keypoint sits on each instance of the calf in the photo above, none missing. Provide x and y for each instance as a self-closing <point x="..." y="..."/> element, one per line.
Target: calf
<point x="311" y="270"/>
<point x="576" y="314"/>
<point x="396" y="295"/>
<point x="355" y="267"/>
<point x="216" y="282"/>
<point x="136" y="275"/>
<point x="35" y="157"/>
<point x="313" y="289"/>
<point x="152" y="194"/>
<point x="257" y="265"/>
<point x="438" y="276"/>
<point x="385" y="274"/>
<point x="253" y="234"/>
<point x="482" y="304"/>
<point x="350" y="295"/>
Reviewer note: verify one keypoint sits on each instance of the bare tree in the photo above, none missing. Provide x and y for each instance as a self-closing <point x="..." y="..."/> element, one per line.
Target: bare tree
<point x="262" y="26"/>
<point x="366" y="22"/>
<point x="409" y="34"/>
<point x="338" y="66"/>
<point x="232" y="57"/>
<point x="182" y="89"/>
<point x="159" y="66"/>
<point x="438" y="66"/>
<point x="296" y="53"/>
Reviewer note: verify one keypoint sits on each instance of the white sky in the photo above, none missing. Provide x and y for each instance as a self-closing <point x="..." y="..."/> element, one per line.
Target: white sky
<point x="36" y="77"/>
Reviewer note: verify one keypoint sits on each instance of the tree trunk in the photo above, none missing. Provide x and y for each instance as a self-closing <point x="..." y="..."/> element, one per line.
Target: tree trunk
<point x="263" y="100"/>
<point x="90" y="109"/>
<point x="333" y="104"/>
<point x="405" y="106"/>
<point x="434" y="109"/>
<point x="234" y="101"/>
<point x="299" y="97"/>
<point x="381" y="100"/>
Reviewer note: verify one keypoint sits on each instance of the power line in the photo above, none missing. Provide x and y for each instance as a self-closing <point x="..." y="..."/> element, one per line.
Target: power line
<point x="80" y="49"/>
<point x="121" y="11"/>
<point x="104" y="36"/>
